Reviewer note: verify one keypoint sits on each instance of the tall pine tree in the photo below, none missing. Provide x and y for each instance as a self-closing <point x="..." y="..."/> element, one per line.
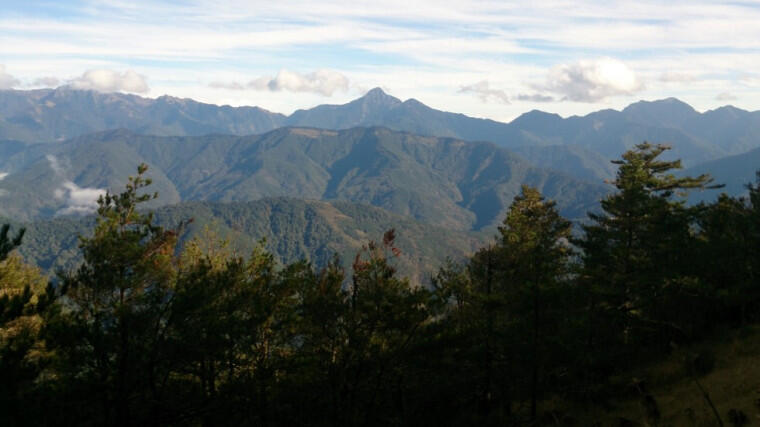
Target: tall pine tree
<point x="638" y="251"/>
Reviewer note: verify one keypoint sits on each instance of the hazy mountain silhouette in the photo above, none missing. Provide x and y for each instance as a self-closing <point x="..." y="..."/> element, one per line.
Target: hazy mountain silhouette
<point x="50" y="115"/>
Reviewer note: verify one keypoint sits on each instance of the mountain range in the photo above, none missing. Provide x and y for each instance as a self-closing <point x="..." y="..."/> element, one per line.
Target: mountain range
<point x="325" y="180"/>
<point x="47" y="115"/>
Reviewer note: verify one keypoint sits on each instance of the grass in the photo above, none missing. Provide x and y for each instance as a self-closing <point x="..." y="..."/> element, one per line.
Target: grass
<point x="733" y="383"/>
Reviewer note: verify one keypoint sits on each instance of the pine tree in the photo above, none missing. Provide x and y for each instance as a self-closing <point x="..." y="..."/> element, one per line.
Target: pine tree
<point x="112" y="333"/>
<point x="22" y="355"/>
<point x="507" y="306"/>
<point x="638" y="249"/>
<point x="535" y="254"/>
<point x="729" y="237"/>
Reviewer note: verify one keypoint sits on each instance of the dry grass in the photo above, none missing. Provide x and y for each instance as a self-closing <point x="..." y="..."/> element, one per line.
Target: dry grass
<point x="733" y="383"/>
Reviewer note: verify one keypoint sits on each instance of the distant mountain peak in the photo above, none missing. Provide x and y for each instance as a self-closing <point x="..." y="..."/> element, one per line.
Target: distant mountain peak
<point x="168" y="99"/>
<point x="378" y="97"/>
<point x="536" y="117"/>
<point x="667" y="112"/>
<point x="727" y="113"/>
<point x="414" y="101"/>
<point x="376" y="91"/>
<point x="669" y="103"/>
<point x="730" y="109"/>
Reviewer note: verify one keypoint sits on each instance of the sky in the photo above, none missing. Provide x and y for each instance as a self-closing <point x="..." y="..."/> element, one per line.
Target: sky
<point x="494" y="59"/>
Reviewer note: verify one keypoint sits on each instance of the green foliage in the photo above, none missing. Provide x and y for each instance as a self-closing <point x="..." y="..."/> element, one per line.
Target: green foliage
<point x="729" y="238"/>
<point x="115" y="318"/>
<point x="293" y="230"/>
<point x="637" y="255"/>
<point x="144" y="334"/>
<point x="22" y="298"/>
<point x="507" y="308"/>
<point x="529" y="330"/>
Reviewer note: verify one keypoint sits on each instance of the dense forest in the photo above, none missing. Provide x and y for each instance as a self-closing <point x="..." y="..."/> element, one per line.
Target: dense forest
<point x="543" y="326"/>
<point x="291" y="229"/>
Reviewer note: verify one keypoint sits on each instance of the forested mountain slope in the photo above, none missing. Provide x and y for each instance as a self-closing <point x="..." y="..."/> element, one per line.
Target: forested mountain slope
<point x="733" y="171"/>
<point x="442" y="181"/>
<point x="293" y="230"/>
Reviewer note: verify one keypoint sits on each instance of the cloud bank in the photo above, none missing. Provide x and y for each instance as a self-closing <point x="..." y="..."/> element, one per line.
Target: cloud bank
<point x="7" y="81"/>
<point x="485" y="92"/>
<point x="2" y="177"/>
<point x="323" y="82"/>
<point x="46" y="81"/>
<point x="726" y="96"/>
<point x="416" y="48"/>
<point x="676" y="77"/>
<point x="76" y="200"/>
<point x="592" y="80"/>
<point x="535" y="97"/>
<point x="103" y="80"/>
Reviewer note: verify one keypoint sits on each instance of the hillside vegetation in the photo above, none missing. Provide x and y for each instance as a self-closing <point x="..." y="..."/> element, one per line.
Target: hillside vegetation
<point x="446" y="182"/>
<point x="293" y="230"/>
<point x="648" y="316"/>
<point x="731" y="382"/>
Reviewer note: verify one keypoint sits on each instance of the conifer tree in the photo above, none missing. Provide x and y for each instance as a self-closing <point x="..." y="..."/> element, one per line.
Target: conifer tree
<point x="111" y="338"/>
<point x="22" y="355"/>
<point x="535" y="254"/>
<point x="507" y="305"/>
<point x="729" y="236"/>
<point x="638" y="249"/>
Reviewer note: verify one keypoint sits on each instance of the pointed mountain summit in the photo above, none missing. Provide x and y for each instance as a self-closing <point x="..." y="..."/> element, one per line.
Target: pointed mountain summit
<point x="377" y="97"/>
<point x="365" y="111"/>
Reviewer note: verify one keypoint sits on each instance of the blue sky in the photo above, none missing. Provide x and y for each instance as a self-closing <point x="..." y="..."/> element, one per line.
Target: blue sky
<point x="493" y="59"/>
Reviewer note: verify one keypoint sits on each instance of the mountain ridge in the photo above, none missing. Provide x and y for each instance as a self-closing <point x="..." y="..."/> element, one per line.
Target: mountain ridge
<point x="47" y="115"/>
<point x="458" y="184"/>
<point x="592" y="140"/>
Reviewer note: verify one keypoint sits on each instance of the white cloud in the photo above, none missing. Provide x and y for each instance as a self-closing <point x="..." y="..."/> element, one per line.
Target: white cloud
<point x="2" y="177"/>
<point x="725" y="96"/>
<point x="76" y="200"/>
<point x="7" y="81"/>
<point x="228" y="85"/>
<point x="231" y="41"/>
<point x="324" y="82"/>
<point x="535" y="97"/>
<point x="485" y="92"/>
<point x="46" y="81"/>
<point x="592" y="80"/>
<point x="103" y="80"/>
<point x="676" y="77"/>
<point x="53" y="162"/>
